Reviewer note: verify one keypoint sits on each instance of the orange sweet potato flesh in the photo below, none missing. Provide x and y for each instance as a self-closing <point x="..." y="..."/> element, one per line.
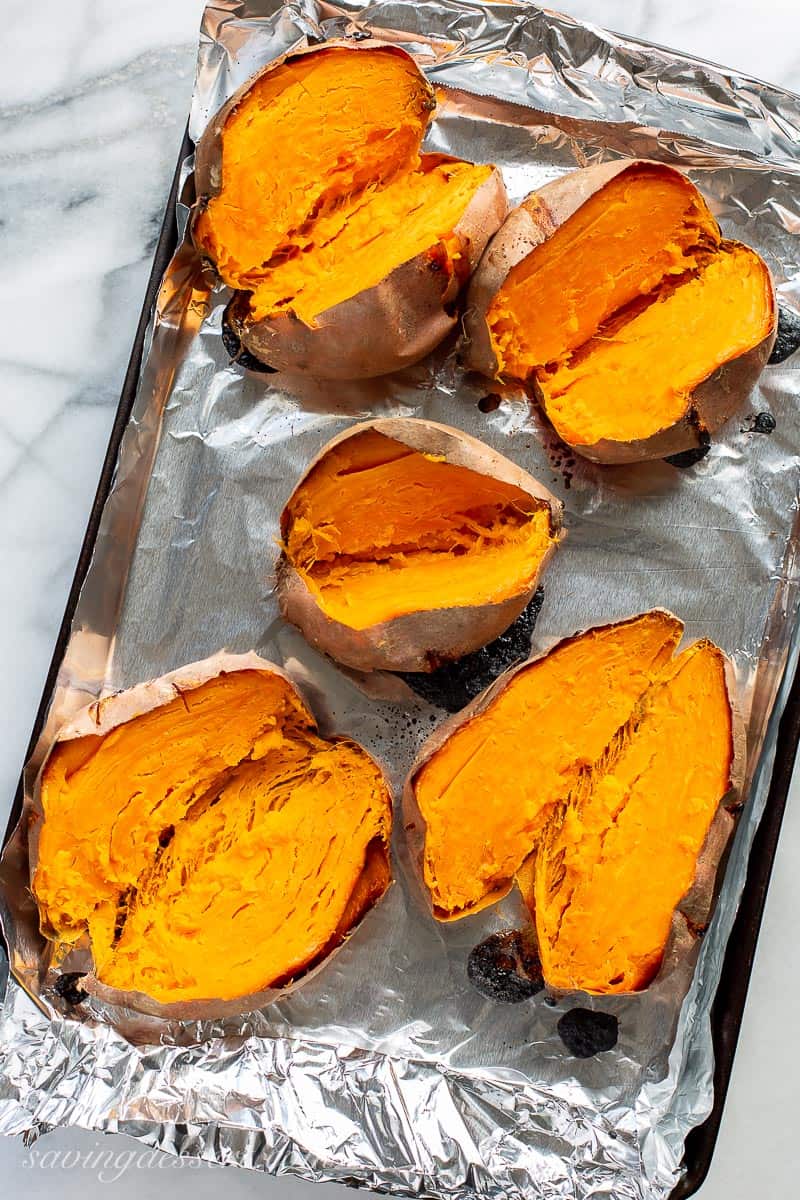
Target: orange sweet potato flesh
<point x="592" y="777"/>
<point x="627" y="307"/>
<point x="611" y="872"/>
<point x="211" y="847"/>
<point x="487" y="793"/>
<point x="324" y="191"/>
<point x="378" y="530"/>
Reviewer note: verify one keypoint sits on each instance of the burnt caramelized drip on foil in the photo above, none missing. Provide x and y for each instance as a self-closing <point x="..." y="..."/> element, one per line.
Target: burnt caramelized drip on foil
<point x="452" y="685"/>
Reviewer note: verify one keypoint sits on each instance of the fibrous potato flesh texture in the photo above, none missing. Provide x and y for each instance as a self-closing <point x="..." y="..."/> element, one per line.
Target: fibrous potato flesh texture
<point x="642" y="227"/>
<point x="662" y="353"/>
<point x="378" y="530"/>
<point x="209" y="847"/>
<point x="487" y="793"/>
<point x="324" y="191"/>
<point x="593" y="778"/>
<point x="610" y="874"/>
<point x="627" y="307"/>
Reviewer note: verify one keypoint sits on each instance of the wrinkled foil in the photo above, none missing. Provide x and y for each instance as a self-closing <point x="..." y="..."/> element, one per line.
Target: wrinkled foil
<point x="387" y="1069"/>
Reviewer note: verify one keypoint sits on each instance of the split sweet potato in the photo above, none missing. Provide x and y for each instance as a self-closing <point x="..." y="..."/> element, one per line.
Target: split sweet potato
<point x="595" y="777"/>
<point x="612" y="294"/>
<point x="204" y="840"/>
<point x="407" y="544"/>
<point x="613" y="868"/>
<point x="347" y="247"/>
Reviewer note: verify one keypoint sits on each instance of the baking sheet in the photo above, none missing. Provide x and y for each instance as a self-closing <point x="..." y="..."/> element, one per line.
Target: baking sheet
<point x="387" y="1068"/>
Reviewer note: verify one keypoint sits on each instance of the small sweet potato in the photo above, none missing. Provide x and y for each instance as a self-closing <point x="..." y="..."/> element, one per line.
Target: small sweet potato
<point x="407" y="544"/>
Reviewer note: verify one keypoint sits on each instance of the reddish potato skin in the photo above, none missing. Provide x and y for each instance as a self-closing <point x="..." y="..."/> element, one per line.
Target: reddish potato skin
<point x="383" y="328"/>
<point x="711" y="404"/>
<point x="102" y="716"/>
<point x="695" y="909"/>
<point x="417" y="641"/>
<point x="378" y="330"/>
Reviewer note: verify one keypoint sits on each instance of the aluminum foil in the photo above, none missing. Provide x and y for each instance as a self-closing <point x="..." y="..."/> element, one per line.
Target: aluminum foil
<point x="387" y="1069"/>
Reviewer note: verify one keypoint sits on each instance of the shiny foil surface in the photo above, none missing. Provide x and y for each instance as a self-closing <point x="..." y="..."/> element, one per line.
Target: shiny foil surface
<point x="387" y="1068"/>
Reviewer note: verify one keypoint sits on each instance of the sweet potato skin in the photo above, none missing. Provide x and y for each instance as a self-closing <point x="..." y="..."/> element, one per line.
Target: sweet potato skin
<point x="711" y="404"/>
<point x="416" y="641"/>
<point x="695" y="909"/>
<point x="383" y="328"/>
<point x="104" y="715"/>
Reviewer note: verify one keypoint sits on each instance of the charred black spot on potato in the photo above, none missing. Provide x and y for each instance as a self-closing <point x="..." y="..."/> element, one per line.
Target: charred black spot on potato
<point x="233" y="344"/>
<point x="506" y="967"/>
<point x="230" y="338"/>
<point x="452" y="685"/>
<point x="586" y="1033"/>
<point x="124" y="904"/>
<point x="787" y="340"/>
<point x="690" y="458"/>
<point x="67" y="988"/>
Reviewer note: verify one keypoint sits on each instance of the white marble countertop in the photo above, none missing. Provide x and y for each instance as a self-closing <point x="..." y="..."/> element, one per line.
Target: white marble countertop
<point x="93" y="99"/>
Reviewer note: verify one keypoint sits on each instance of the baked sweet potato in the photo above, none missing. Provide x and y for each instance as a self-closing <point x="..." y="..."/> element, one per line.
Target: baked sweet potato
<point x="346" y="246"/>
<point x="595" y="777"/>
<point x="407" y="544"/>
<point x="612" y="294"/>
<point x="204" y="839"/>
